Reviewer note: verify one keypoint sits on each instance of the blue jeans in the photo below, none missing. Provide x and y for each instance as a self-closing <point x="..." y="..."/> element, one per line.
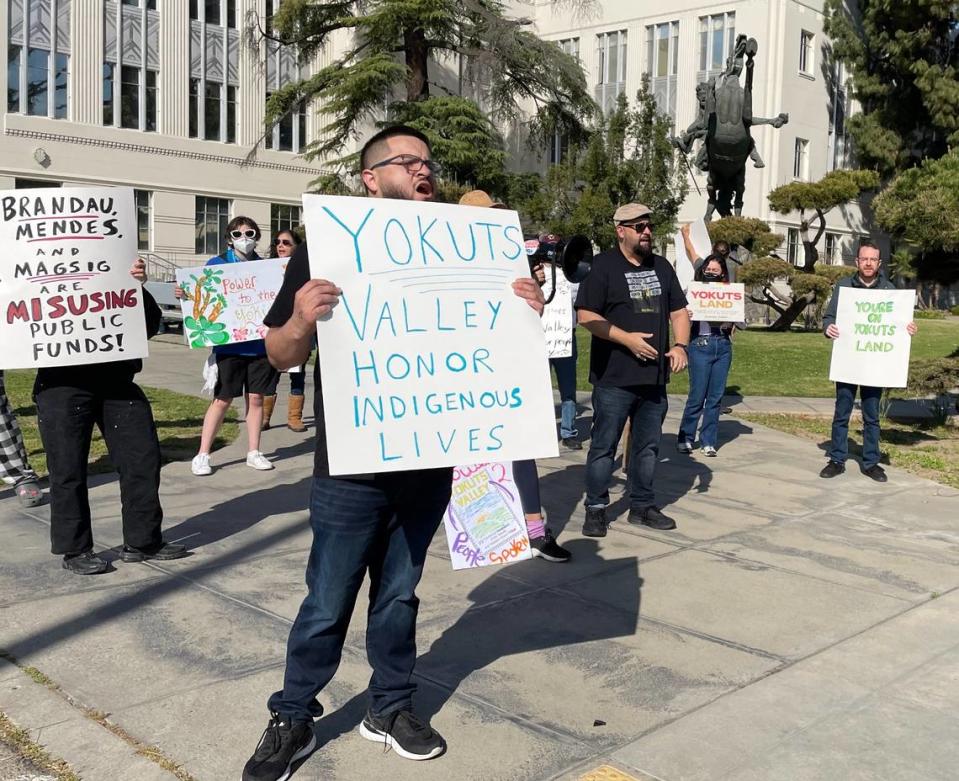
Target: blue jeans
<point x="709" y="360"/>
<point x="565" y="369"/>
<point x="845" y="401"/>
<point x="645" y="407"/>
<point x="383" y="526"/>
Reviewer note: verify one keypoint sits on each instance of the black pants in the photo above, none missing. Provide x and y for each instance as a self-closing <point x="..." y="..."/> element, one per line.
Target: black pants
<point x="66" y="416"/>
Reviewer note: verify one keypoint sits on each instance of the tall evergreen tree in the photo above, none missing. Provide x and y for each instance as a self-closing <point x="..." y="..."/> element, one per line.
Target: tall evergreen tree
<point x="389" y="53"/>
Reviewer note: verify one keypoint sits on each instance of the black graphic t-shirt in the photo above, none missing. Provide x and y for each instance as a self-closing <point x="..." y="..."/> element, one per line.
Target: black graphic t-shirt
<point x="633" y="298"/>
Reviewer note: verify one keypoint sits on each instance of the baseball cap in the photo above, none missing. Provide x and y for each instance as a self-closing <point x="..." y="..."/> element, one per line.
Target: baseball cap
<point x="631" y="211"/>
<point x="480" y="198"/>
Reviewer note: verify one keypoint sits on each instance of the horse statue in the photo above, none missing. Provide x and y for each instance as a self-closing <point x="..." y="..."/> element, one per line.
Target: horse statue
<point x="723" y="122"/>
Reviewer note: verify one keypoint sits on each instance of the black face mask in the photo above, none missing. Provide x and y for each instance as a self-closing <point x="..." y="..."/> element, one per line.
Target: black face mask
<point x="708" y="277"/>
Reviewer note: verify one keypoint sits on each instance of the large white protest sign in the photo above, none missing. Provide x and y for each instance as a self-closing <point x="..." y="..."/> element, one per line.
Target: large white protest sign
<point x="226" y="302"/>
<point x="66" y="294"/>
<point x="484" y="521"/>
<point x="429" y="359"/>
<point x="558" y="315"/>
<point x="717" y="302"/>
<point x="699" y="238"/>
<point x="873" y="346"/>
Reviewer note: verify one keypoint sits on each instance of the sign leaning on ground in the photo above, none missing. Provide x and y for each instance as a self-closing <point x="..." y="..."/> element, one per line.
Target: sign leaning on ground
<point x="226" y="303"/>
<point x="66" y="294"/>
<point x="873" y="346"/>
<point x="429" y="360"/>
<point x="717" y="302"/>
<point x="484" y="522"/>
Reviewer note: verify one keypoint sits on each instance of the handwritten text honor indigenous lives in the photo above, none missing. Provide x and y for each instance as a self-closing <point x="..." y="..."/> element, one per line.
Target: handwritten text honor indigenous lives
<point x="873" y="345"/>
<point x="430" y="359"/>
<point x="66" y="294"/>
<point x="717" y="302"/>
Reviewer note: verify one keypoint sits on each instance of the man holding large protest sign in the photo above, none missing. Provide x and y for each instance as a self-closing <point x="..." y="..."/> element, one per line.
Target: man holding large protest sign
<point x="381" y="523"/>
<point x="867" y="277"/>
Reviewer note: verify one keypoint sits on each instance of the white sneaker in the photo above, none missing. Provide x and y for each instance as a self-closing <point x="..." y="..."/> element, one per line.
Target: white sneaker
<point x="257" y="460"/>
<point x="709" y="450"/>
<point x="684" y="447"/>
<point x="201" y="465"/>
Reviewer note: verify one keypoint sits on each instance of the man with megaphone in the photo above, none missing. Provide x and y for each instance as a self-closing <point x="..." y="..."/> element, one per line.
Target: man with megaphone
<point x="628" y="302"/>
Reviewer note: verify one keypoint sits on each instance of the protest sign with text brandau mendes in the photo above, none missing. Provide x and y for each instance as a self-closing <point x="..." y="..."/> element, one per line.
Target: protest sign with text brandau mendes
<point x="429" y="359"/>
<point x="873" y="345"/>
<point x="66" y="294"/>
<point x="226" y="303"/>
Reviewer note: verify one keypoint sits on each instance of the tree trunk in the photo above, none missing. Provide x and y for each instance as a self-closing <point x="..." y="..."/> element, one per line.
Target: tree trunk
<point x="417" y="55"/>
<point x="795" y="309"/>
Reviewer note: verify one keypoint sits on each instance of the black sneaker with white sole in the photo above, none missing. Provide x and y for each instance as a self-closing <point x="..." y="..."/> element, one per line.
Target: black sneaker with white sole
<point x="282" y="745"/>
<point x="406" y="734"/>
<point x="547" y="548"/>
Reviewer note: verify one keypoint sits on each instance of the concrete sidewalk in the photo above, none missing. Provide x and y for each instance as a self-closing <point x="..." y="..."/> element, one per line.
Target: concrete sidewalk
<point x="791" y="628"/>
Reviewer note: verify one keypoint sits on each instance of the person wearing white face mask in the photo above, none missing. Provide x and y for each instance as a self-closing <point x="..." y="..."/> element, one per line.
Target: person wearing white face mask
<point x="242" y="367"/>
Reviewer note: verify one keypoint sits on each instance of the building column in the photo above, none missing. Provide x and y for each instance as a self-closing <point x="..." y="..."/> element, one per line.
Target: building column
<point x="86" y="61"/>
<point x="174" y="119"/>
<point x="251" y="108"/>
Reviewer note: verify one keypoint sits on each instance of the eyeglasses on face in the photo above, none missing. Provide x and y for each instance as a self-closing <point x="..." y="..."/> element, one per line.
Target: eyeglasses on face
<point x="284" y="243"/>
<point x="248" y="233"/>
<point x="411" y="163"/>
<point x="639" y="227"/>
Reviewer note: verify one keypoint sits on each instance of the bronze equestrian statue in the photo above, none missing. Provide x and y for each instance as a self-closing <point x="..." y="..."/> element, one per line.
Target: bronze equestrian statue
<point x="724" y="121"/>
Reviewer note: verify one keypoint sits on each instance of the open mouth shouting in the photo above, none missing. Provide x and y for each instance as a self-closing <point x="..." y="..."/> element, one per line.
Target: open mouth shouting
<point x="424" y="190"/>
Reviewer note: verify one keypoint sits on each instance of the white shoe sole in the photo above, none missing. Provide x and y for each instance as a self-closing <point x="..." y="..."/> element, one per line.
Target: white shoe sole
<point x="382" y="737"/>
<point x="260" y="468"/>
<point x="202" y="472"/>
<point x="305" y="751"/>
<point x="537" y="554"/>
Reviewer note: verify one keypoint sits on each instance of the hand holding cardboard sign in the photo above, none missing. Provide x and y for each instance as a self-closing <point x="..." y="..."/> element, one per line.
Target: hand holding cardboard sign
<point x="314" y="300"/>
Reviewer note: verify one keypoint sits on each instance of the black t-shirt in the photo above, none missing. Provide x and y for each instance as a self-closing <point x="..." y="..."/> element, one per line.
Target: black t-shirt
<point x="633" y="298"/>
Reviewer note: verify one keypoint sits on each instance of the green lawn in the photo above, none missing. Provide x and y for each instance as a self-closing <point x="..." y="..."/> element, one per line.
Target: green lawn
<point x="788" y="364"/>
<point x="178" y="418"/>
<point x="928" y="451"/>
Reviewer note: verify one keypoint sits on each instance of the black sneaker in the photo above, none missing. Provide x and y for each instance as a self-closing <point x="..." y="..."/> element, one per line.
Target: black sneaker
<point x="571" y="444"/>
<point x="876" y="472"/>
<point x="595" y="523"/>
<point x="547" y="548"/>
<point x="651" y="517"/>
<point x="87" y="563"/>
<point x="283" y="743"/>
<point x="832" y="469"/>
<point x="166" y="552"/>
<point x="405" y="734"/>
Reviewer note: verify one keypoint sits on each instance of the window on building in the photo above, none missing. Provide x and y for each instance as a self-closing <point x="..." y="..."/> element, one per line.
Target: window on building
<point x="558" y="146"/>
<point x="662" y="64"/>
<point x="806" y="53"/>
<point x="833" y="249"/>
<point x="214" y="12"/>
<point x="214" y="72"/>
<point x="149" y="4"/>
<point x="801" y="159"/>
<point x="38" y="58"/>
<point x="283" y="217"/>
<point x="212" y="216"/>
<point x="289" y="134"/>
<point x="793" y="246"/>
<point x="33" y="184"/>
<point x="838" y="109"/>
<point x="131" y="65"/>
<point x="144" y="202"/>
<point x="717" y="37"/>
<point x="611" y="70"/>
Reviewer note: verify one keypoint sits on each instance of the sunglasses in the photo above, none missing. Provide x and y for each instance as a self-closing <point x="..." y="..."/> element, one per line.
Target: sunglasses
<point x="284" y="243"/>
<point x="249" y="234"/>
<point x="639" y="227"/>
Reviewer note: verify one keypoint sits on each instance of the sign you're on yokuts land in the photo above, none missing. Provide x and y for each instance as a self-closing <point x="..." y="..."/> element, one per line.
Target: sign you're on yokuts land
<point x="66" y="294"/>
<point x="430" y="359"/>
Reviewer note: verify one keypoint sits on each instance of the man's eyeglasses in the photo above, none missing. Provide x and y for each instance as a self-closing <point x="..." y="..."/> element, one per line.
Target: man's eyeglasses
<point x="284" y="243"/>
<point x="249" y="234"/>
<point x="639" y="227"/>
<point x="411" y="163"/>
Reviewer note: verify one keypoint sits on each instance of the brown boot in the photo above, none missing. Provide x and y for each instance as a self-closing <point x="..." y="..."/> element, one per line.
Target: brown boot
<point x="294" y="420"/>
<point x="269" y="402"/>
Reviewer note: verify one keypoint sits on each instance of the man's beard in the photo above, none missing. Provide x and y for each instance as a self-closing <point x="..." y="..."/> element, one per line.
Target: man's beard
<point x="643" y="250"/>
<point x="388" y="190"/>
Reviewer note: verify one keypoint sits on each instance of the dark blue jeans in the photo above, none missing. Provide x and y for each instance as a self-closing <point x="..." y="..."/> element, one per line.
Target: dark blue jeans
<point x="383" y="526"/>
<point x="645" y="407"/>
<point x="709" y="360"/>
<point x="845" y="401"/>
<point x="565" y="369"/>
